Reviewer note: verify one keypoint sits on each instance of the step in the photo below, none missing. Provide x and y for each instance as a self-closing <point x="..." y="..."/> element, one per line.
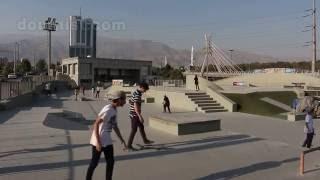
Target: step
<point x="196" y="96"/>
<point x="208" y="104"/>
<point x="216" y="110"/>
<point x="204" y="101"/>
<point x="190" y="94"/>
<point x="201" y="99"/>
<point x="212" y="107"/>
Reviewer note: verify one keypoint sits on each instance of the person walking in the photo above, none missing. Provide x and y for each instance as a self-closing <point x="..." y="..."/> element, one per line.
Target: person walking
<point x="308" y="105"/>
<point x="98" y="92"/>
<point x="135" y="115"/>
<point x="76" y="93"/>
<point x="166" y="104"/>
<point x="196" y="82"/>
<point x="83" y="90"/>
<point x="101" y="135"/>
<point x="93" y="90"/>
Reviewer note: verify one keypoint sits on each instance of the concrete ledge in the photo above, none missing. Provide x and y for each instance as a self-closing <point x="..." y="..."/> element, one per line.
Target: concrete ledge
<point x="223" y="100"/>
<point x="295" y="116"/>
<point x="184" y="123"/>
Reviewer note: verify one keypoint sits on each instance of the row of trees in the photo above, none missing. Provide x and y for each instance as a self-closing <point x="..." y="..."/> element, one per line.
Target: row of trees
<point x="168" y="72"/>
<point x="23" y="67"/>
<point x="300" y="66"/>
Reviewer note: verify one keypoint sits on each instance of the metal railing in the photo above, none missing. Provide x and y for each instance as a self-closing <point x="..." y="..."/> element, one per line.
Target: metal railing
<point x="15" y="88"/>
<point x="168" y="83"/>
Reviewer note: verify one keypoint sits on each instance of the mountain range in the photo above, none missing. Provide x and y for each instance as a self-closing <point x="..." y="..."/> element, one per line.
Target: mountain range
<point x="35" y="47"/>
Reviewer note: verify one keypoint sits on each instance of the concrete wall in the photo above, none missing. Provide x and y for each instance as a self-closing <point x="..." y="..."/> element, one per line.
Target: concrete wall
<point x="223" y="100"/>
<point x="203" y="83"/>
<point x="271" y="79"/>
<point x="178" y="100"/>
<point x="190" y="82"/>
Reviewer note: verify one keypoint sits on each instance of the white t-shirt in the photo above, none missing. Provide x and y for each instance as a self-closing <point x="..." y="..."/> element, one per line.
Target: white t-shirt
<point x="109" y="116"/>
<point x="309" y="122"/>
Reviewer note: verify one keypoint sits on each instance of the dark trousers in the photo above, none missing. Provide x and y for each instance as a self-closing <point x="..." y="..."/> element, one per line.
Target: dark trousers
<point x="165" y="107"/>
<point x="197" y="86"/>
<point x="97" y="94"/>
<point x="308" y="141"/>
<point x="135" y="124"/>
<point x="108" y="155"/>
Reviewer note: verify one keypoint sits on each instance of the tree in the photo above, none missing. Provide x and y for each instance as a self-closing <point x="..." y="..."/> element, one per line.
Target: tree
<point x="24" y="66"/>
<point x="8" y="68"/>
<point x="41" y="65"/>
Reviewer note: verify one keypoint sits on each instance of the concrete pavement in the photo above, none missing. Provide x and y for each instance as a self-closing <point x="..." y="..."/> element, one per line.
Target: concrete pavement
<point x="38" y="143"/>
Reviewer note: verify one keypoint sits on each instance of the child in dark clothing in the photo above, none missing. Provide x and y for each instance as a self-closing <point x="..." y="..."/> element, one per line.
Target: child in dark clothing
<point x="166" y="104"/>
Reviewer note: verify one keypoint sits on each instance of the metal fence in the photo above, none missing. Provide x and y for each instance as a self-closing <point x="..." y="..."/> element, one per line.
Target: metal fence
<point x="18" y="87"/>
<point x="169" y="83"/>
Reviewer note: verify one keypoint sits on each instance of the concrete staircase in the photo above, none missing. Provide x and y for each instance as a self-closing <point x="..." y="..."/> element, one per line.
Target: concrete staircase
<point x="205" y="103"/>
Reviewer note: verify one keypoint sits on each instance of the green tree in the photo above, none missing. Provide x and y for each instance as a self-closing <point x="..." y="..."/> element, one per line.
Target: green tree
<point x="8" y="68"/>
<point x="24" y="66"/>
<point x="41" y="65"/>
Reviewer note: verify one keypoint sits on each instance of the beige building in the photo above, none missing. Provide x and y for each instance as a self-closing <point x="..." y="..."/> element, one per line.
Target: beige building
<point x="88" y="71"/>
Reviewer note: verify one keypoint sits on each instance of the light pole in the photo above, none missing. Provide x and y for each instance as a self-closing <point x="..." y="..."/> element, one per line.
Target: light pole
<point x="231" y="51"/>
<point x="50" y="25"/>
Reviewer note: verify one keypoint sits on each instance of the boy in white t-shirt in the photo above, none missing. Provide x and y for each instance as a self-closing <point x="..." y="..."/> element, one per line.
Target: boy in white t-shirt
<point x="309" y="129"/>
<point x="101" y="136"/>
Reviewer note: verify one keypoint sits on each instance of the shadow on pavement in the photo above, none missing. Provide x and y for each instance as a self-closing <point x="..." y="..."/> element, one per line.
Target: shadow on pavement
<point x="58" y="147"/>
<point x="196" y="146"/>
<point x="233" y="173"/>
<point x="64" y="121"/>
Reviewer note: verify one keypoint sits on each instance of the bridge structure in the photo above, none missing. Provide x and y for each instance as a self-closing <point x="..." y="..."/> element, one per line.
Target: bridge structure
<point x="216" y="64"/>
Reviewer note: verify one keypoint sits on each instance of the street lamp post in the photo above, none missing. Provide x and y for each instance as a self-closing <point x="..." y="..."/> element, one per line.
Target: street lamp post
<point x="231" y="51"/>
<point x="49" y="25"/>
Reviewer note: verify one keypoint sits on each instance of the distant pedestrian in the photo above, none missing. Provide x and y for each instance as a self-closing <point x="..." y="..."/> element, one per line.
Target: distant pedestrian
<point x="101" y="136"/>
<point x="295" y="105"/>
<point x="48" y="89"/>
<point x="98" y="92"/>
<point x="136" y="118"/>
<point x="76" y="92"/>
<point x="93" y="91"/>
<point x="166" y="104"/>
<point x="307" y="106"/>
<point x="196" y="82"/>
<point x="83" y="90"/>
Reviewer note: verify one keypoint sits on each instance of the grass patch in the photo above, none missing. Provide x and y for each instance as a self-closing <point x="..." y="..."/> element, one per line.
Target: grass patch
<point x="251" y="103"/>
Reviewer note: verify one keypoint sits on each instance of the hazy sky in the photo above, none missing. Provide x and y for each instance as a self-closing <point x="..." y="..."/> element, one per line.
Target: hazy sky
<point x="271" y="27"/>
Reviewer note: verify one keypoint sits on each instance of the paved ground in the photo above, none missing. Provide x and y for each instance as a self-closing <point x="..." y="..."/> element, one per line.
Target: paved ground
<point x="37" y="142"/>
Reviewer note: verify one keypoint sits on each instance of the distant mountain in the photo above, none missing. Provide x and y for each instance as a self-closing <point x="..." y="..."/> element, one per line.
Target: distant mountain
<point x="118" y="48"/>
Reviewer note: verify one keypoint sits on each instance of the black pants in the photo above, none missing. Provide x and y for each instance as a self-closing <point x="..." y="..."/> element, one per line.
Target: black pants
<point x="97" y="94"/>
<point x="135" y="124"/>
<point x="197" y="86"/>
<point x="308" y="141"/>
<point x="165" y="107"/>
<point x="108" y="155"/>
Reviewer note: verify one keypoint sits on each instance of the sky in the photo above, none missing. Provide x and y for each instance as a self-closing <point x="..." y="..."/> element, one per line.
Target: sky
<point x="268" y="27"/>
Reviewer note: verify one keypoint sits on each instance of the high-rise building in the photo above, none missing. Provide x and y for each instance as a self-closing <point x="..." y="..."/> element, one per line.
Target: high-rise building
<point x="83" y="37"/>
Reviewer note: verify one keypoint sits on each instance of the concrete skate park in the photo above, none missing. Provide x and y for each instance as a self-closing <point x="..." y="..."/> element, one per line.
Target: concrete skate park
<point x="205" y="136"/>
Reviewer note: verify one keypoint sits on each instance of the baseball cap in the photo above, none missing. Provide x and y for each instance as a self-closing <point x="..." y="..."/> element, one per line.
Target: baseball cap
<point x="117" y="95"/>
